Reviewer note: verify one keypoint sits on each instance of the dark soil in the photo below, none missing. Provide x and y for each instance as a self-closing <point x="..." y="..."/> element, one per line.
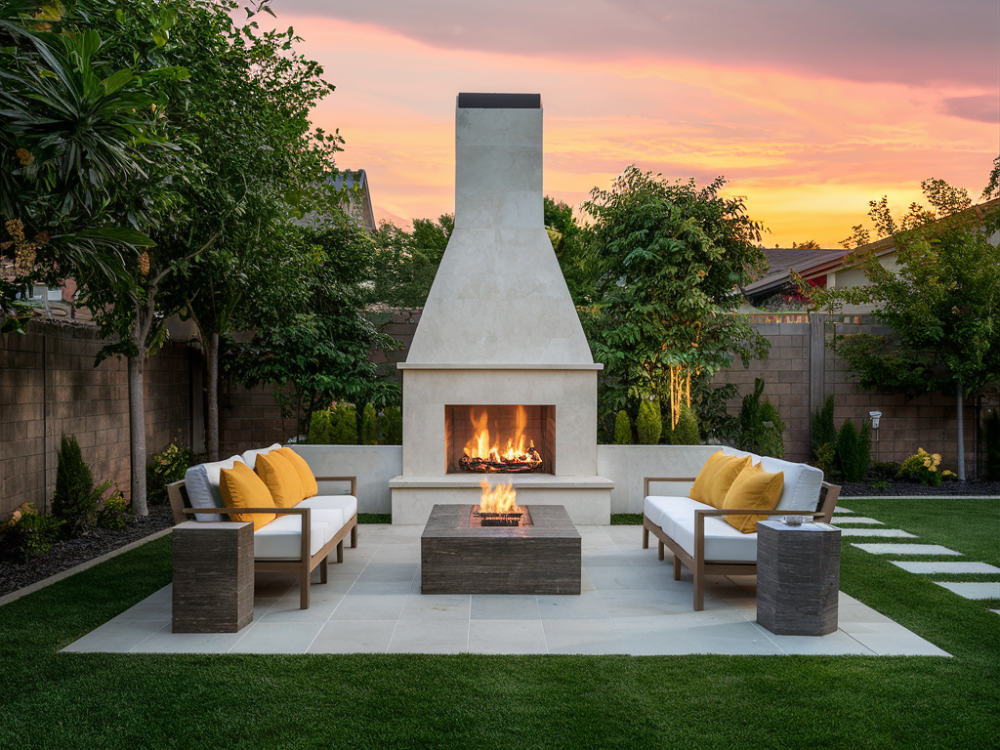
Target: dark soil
<point x="915" y="489"/>
<point x="72" y="552"/>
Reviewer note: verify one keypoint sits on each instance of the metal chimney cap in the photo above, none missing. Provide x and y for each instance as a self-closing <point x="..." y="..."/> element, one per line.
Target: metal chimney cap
<point x="499" y="101"/>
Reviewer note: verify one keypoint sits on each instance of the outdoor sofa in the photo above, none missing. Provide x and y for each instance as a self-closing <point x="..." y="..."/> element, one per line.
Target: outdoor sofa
<point x="702" y="540"/>
<point x="300" y="537"/>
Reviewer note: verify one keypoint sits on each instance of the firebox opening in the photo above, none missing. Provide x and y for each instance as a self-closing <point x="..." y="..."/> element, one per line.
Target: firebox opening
<point x="500" y="439"/>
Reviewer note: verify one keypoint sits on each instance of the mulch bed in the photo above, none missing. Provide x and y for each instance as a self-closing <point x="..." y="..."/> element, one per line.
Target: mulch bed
<point x="915" y="489"/>
<point x="71" y="552"/>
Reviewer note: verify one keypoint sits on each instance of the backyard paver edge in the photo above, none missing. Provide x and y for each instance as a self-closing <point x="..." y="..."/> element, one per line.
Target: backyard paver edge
<point x="38" y="585"/>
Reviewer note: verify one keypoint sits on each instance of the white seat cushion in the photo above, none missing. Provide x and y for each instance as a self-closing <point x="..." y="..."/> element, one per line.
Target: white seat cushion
<point x="662" y="510"/>
<point x="202" y="485"/>
<point x="723" y="543"/>
<point x="282" y="538"/>
<point x="250" y="457"/>
<point x="346" y="503"/>
<point x="802" y="483"/>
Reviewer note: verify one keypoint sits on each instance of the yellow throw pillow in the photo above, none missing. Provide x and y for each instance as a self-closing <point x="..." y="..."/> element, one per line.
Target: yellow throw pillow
<point x="716" y="477"/>
<point x="241" y="488"/>
<point x="281" y="478"/>
<point x="306" y="477"/>
<point x="754" y="489"/>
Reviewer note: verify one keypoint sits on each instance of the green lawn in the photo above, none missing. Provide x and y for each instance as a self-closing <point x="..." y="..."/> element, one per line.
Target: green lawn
<point x="51" y="700"/>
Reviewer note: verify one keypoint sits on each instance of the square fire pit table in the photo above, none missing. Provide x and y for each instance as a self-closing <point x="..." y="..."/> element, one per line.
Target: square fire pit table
<point x="459" y="557"/>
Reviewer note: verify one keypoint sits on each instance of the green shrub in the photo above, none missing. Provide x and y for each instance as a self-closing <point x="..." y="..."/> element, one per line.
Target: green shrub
<point x="761" y="428"/>
<point x="165" y="468"/>
<point x="771" y="441"/>
<point x="116" y="512"/>
<point x="649" y="424"/>
<point x="369" y="425"/>
<point x="344" y="425"/>
<point x="923" y="467"/>
<point x="826" y="461"/>
<point x="824" y="433"/>
<point x="879" y="470"/>
<point x="76" y="499"/>
<point x="31" y="535"/>
<point x="319" y="428"/>
<point x="687" y="431"/>
<point x="854" y="451"/>
<point x="623" y="429"/>
<point x="991" y="439"/>
<point x="392" y="426"/>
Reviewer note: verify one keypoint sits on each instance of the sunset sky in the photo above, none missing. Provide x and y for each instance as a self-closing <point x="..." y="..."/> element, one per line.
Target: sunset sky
<point x="809" y="109"/>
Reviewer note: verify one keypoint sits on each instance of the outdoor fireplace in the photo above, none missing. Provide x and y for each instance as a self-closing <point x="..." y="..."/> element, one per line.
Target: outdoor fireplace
<point x="500" y="439"/>
<point x="500" y="350"/>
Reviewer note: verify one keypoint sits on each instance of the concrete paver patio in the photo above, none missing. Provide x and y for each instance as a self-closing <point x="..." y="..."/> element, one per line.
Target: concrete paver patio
<point x="630" y="605"/>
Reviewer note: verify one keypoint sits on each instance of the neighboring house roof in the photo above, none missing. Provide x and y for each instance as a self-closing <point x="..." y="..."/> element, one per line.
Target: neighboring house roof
<point x="359" y="198"/>
<point x="783" y="260"/>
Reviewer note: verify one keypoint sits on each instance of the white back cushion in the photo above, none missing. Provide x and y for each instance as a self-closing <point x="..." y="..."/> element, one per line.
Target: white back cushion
<point x="250" y="457"/>
<point x="802" y="483"/>
<point x="202" y="484"/>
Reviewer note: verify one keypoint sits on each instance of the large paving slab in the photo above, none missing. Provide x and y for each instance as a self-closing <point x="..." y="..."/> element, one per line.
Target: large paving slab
<point x="840" y="509"/>
<point x="906" y="549"/>
<point x="925" y="568"/>
<point x="858" y="519"/>
<point x="973" y="590"/>
<point x="896" y="533"/>
<point x="629" y="604"/>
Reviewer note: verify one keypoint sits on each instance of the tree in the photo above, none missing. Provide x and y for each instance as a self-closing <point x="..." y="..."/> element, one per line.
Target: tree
<point x="667" y="258"/>
<point x="807" y="245"/>
<point x="408" y="261"/>
<point x="943" y="303"/>
<point x="571" y="243"/>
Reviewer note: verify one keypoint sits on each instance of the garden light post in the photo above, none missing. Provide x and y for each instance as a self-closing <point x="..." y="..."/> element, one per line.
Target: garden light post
<point x="875" y="417"/>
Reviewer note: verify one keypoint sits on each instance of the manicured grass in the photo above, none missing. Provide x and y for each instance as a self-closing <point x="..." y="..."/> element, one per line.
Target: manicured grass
<point x="51" y="700"/>
<point x="626" y="519"/>
<point x="374" y="517"/>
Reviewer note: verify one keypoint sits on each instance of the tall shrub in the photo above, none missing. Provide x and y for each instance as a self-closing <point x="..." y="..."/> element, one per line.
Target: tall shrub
<point x="392" y="426"/>
<point x="344" y="425"/>
<point x="771" y="441"/>
<point x="76" y="499"/>
<point x="623" y="429"/>
<point x="649" y="424"/>
<point x="369" y="425"/>
<point x="823" y="430"/>
<point x="319" y="428"/>
<point x="853" y="452"/>
<point x="687" y="431"/>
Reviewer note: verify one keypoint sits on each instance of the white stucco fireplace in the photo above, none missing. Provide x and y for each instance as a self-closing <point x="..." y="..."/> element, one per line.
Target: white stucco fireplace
<point x="500" y="331"/>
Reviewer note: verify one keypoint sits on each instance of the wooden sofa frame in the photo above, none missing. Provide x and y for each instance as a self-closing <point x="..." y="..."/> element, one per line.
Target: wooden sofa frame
<point x="696" y="563"/>
<point x="305" y="565"/>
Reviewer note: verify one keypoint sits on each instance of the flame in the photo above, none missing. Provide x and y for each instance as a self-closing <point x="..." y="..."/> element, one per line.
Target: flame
<point x="515" y="449"/>
<point x="499" y="499"/>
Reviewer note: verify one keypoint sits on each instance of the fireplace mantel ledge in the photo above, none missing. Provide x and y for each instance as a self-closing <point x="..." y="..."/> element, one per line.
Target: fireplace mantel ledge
<point x="519" y="366"/>
<point x="520" y="481"/>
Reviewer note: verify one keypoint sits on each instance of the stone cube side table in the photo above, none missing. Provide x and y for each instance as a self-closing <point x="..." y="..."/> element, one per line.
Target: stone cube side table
<point x="798" y="578"/>
<point x="213" y="577"/>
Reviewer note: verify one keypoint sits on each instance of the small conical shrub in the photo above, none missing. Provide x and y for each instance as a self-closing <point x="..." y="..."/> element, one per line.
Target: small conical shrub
<point x="649" y="424"/>
<point x="344" y="425"/>
<point x="319" y="428"/>
<point x="623" y="429"/>
<point x="76" y="499"/>
<point x="369" y="425"/>
<point x="823" y="430"/>
<point x="686" y="432"/>
<point x="392" y="426"/>
<point x="771" y="441"/>
<point x="850" y="450"/>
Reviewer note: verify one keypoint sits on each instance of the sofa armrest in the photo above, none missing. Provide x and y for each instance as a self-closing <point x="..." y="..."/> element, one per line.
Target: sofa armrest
<point x="352" y="480"/>
<point x="647" y="480"/>
<point x="304" y="512"/>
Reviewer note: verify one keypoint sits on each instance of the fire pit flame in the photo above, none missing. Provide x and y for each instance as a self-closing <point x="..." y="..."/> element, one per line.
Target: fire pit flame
<point x="498" y="505"/>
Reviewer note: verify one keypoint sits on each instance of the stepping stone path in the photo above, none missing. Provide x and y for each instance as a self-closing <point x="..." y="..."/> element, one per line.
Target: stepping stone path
<point x="898" y="533"/>
<point x="947" y="567"/>
<point x="969" y="590"/>
<point x="973" y="590"/>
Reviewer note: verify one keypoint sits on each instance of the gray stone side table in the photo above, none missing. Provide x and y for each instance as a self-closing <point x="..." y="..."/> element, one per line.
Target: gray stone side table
<point x="798" y="577"/>
<point x="213" y="577"/>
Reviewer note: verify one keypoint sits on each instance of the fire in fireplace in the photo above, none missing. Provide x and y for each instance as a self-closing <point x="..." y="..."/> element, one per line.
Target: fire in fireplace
<point x="498" y="507"/>
<point x="500" y="439"/>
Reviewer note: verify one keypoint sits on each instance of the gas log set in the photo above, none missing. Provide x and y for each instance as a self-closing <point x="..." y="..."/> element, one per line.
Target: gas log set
<point x="486" y="456"/>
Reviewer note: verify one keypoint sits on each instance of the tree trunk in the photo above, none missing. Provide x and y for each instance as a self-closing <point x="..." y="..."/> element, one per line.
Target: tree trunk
<point x="137" y="433"/>
<point x="961" y="433"/>
<point x="212" y="429"/>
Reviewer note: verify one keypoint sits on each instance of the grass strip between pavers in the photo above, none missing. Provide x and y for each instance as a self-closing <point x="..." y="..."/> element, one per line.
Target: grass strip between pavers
<point x="52" y="700"/>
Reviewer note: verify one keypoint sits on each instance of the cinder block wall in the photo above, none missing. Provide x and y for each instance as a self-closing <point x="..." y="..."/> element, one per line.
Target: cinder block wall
<point x="49" y="386"/>
<point x="250" y="419"/>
